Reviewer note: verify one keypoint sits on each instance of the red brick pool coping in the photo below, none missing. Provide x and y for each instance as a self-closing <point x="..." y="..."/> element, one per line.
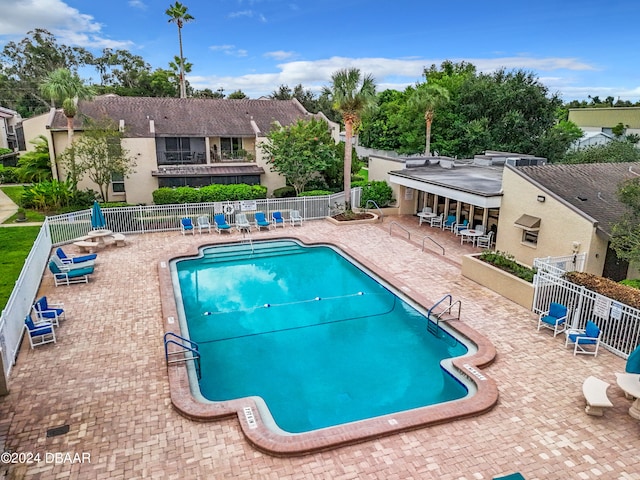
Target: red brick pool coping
<point x="278" y="444"/>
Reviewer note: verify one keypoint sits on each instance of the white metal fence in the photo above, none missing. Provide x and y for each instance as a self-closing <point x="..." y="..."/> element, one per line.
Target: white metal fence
<point x="619" y="323"/>
<point x="64" y="228"/>
<point x="22" y="298"/>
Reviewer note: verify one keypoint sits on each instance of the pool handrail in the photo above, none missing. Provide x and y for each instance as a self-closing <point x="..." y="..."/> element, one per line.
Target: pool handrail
<point x="187" y="346"/>
<point x="377" y="207"/>
<point x="428" y="237"/>
<point x="403" y="228"/>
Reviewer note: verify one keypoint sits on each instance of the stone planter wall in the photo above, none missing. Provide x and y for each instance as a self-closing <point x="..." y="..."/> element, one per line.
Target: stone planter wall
<point x="374" y="219"/>
<point x="507" y="285"/>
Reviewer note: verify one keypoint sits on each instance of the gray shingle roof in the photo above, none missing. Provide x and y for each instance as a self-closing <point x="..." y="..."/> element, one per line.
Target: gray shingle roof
<point x="187" y="116"/>
<point x="590" y="188"/>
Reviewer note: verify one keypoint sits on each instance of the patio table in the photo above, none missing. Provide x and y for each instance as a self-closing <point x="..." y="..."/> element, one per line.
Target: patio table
<point x="471" y="235"/>
<point x="630" y="385"/>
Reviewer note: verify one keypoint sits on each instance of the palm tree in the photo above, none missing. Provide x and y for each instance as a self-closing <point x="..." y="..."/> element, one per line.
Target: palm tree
<point x="66" y="88"/>
<point x="174" y="67"/>
<point x="428" y="97"/>
<point x="351" y="94"/>
<point x="178" y="15"/>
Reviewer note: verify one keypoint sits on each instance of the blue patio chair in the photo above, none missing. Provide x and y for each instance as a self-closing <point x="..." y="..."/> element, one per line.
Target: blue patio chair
<point x="39" y="333"/>
<point x="512" y="476"/>
<point x="261" y="221"/>
<point x="590" y="336"/>
<point x="186" y="225"/>
<point x="74" y="258"/>
<point x="221" y="223"/>
<point x="277" y="219"/>
<point x="49" y="312"/>
<point x="71" y="266"/>
<point x="449" y="223"/>
<point x="458" y="227"/>
<point x="555" y="318"/>
<point x="67" y="277"/>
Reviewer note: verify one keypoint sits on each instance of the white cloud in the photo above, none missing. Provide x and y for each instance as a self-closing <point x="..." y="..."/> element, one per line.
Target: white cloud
<point x="279" y="55"/>
<point x="137" y="4"/>
<point x="389" y="73"/>
<point x="67" y="23"/>
<point x="229" y="50"/>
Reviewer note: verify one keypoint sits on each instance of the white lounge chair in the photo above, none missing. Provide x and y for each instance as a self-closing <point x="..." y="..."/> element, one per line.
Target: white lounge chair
<point x="203" y="223"/>
<point x="242" y="223"/>
<point x="295" y="218"/>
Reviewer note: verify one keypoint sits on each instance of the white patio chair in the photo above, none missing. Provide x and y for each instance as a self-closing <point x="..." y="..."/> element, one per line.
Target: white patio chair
<point x="485" y="241"/>
<point x="295" y="218"/>
<point x="203" y="223"/>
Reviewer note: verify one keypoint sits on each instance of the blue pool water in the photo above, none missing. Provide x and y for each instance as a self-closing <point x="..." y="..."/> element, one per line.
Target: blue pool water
<point x="319" y="340"/>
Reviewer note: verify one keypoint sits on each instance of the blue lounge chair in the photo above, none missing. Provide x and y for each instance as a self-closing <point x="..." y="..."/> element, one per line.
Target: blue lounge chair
<point x="74" y="258"/>
<point x="39" y="333"/>
<point x="71" y="266"/>
<point x="277" y="219"/>
<point x="261" y="221"/>
<point x="186" y="225"/>
<point x="50" y="312"/>
<point x="458" y="227"/>
<point x="555" y="318"/>
<point x="221" y="223"/>
<point x="67" y="277"/>
<point x="582" y="338"/>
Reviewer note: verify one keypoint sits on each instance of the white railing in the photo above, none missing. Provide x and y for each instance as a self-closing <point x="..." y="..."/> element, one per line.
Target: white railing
<point x="22" y="298"/>
<point x="64" y="228"/>
<point x="560" y="265"/>
<point x="158" y="218"/>
<point x="620" y="323"/>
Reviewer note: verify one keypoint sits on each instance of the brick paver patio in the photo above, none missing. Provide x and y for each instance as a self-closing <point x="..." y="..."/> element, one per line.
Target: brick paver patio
<point x="106" y="378"/>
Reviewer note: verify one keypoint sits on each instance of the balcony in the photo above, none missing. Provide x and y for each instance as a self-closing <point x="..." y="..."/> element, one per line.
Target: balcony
<point x="182" y="158"/>
<point x="232" y="156"/>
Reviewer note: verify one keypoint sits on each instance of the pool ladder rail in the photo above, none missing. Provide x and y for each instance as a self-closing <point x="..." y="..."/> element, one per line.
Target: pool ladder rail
<point x="185" y="351"/>
<point x="447" y="312"/>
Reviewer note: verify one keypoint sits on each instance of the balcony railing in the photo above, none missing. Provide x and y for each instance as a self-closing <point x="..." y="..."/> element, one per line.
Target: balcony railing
<point x="233" y="156"/>
<point x="182" y="158"/>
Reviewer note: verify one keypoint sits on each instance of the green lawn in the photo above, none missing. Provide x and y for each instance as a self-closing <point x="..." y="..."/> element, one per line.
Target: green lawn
<point x="15" y="194"/>
<point x="15" y="245"/>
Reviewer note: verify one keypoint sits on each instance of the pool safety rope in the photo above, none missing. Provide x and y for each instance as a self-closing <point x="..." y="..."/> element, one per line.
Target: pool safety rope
<point x="298" y="327"/>
<point x="297" y="302"/>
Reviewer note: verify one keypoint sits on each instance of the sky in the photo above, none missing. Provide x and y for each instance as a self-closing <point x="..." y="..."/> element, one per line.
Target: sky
<point x="576" y="49"/>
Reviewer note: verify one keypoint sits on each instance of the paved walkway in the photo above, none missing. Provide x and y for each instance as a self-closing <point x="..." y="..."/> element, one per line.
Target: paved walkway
<point x="106" y="379"/>
<point x="7" y="207"/>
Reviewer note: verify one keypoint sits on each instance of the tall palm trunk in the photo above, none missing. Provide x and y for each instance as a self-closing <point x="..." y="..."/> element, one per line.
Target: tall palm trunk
<point x="183" y="88"/>
<point x="348" y="142"/>
<point x="428" y="116"/>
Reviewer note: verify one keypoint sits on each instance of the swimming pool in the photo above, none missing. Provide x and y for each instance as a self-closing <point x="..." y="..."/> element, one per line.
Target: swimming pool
<point x="338" y="345"/>
<point x="267" y="345"/>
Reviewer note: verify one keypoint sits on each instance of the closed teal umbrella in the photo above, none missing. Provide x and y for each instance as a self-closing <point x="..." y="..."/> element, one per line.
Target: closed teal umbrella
<point x="97" y="217"/>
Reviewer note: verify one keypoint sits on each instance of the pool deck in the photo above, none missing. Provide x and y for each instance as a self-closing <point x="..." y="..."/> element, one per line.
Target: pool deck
<point x="106" y="378"/>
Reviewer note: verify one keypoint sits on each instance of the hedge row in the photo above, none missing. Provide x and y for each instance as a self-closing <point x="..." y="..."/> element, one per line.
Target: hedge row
<point x="210" y="193"/>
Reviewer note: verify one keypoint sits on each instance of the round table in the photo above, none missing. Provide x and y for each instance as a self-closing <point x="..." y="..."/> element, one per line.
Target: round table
<point x="472" y="234"/>
<point x="99" y="235"/>
<point x="425" y="217"/>
<point x="630" y="385"/>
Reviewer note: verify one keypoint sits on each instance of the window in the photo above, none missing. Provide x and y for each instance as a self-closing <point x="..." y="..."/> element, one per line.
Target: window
<point x="177" y="151"/>
<point x="530" y="237"/>
<point x="117" y="183"/>
<point x="231" y="147"/>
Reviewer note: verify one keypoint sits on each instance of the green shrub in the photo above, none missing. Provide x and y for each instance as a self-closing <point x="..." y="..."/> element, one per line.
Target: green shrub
<point x="210" y="193"/>
<point x="163" y="196"/>
<point x="284" y="192"/>
<point x="379" y="192"/>
<point x="315" y="193"/>
<point x="8" y="174"/>
<point x="635" y="282"/>
<point x="505" y="261"/>
<point x="187" y="195"/>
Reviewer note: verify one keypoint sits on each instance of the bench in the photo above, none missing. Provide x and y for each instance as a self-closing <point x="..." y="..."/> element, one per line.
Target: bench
<point x="119" y="239"/>
<point x="86" y="246"/>
<point x="595" y="393"/>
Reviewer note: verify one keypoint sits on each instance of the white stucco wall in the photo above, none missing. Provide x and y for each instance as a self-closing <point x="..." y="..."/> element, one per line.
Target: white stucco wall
<point x="560" y="226"/>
